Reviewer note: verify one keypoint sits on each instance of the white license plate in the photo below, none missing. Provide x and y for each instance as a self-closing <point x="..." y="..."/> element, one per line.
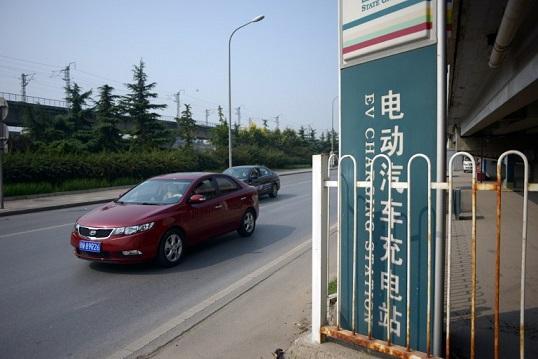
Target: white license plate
<point x="90" y="246"/>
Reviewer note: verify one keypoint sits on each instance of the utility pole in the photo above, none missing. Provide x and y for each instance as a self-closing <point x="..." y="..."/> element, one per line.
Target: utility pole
<point x="332" y="125"/>
<point x="178" y="102"/>
<point x="67" y="75"/>
<point x="25" y="80"/>
<point x="67" y="78"/>
<point x="277" y="121"/>
<point x="207" y="113"/>
<point x="238" y="112"/>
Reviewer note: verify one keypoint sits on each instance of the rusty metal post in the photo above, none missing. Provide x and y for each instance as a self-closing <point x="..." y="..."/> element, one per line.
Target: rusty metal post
<point x="449" y="250"/>
<point x="497" y="324"/>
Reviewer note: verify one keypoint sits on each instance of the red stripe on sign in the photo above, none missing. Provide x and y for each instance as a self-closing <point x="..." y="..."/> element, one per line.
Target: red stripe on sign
<point x="392" y="35"/>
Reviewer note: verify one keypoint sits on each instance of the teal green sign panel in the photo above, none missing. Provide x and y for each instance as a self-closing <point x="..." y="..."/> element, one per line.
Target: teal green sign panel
<point x="388" y="107"/>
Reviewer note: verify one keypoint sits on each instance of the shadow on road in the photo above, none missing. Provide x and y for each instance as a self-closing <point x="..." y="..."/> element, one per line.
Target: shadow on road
<point x="281" y="197"/>
<point x="209" y="253"/>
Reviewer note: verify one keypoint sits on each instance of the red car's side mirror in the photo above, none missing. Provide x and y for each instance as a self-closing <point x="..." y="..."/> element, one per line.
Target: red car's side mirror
<point x="197" y="198"/>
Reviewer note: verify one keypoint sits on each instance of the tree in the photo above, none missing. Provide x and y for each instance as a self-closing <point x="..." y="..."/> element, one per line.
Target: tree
<point x="311" y="135"/>
<point x="222" y="118"/>
<point x="302" y="133"/>
<point x="235" y="130"/>
<point x="219" y="134"/>
<point x="77" y="122"/>
<point x="147" y="131"/>
<point x="187" y="127"/>
<point x="290" y="138"/>
<point x="322" y="137"/>
<point x="71" y="132"/>
<point x="106" y="133"/>
<point x="39" y="127"/>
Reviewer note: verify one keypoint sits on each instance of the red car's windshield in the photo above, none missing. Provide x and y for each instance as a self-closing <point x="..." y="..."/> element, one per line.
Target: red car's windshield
<point x="156" y="192"/>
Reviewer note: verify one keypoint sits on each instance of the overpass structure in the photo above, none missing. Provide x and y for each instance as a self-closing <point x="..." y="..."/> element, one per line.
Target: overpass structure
<point x="493" y="80"/>
<point x="18" y="104"/>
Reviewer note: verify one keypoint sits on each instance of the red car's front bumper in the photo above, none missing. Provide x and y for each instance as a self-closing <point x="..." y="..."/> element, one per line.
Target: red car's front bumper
<point x="112" y="247"/>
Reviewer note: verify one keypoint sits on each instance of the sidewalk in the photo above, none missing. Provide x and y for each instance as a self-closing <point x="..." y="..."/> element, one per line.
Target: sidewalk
<point x="273" y="317"/>
<point x="511" y="225"/>
<point x="52" y="201"/>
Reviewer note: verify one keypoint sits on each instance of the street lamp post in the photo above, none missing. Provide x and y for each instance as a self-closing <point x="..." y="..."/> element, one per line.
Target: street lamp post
<point x="256" y="19"/>
<point x="332" y="125"/>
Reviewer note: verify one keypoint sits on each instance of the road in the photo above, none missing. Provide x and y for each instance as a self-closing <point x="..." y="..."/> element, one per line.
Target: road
<point x="54" y="305"/>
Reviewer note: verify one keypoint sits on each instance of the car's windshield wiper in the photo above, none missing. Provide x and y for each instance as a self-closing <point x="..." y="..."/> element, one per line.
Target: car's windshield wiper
<point x="149" y="204"/>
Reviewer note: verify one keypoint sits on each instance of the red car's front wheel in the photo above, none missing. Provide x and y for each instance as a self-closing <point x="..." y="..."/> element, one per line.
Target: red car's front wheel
<point x="170" y="248"/>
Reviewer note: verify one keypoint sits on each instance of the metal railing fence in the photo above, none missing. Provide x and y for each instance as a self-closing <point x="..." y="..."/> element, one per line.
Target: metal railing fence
<point x="322" y="183"/>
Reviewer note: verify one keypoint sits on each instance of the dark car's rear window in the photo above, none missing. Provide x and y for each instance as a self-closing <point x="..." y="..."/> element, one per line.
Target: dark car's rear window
<point x="238" y="172"/>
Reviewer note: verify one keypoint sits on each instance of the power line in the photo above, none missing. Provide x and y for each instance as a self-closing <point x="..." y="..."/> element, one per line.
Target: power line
<point x="209" y="101"/>
<point x="100" y="77"/>
<point x="28" y="61"/>
<point x="66" y="74"/>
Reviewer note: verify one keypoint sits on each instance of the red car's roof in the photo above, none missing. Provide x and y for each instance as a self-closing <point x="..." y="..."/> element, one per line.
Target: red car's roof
<point x="184" y="175"/>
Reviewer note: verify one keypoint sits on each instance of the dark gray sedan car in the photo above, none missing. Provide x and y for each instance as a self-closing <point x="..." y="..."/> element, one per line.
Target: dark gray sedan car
<point x="261" y="177"/>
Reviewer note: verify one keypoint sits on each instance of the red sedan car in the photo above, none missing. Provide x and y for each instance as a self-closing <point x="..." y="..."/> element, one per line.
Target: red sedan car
<point x="158" y="218"/>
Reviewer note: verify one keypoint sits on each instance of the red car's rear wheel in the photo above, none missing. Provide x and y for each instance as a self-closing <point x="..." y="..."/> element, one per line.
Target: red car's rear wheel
<point x="248" y="224"/>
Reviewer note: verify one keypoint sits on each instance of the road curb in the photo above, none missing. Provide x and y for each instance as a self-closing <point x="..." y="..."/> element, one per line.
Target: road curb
<point x="48" y="208"/>
<point x="64" y="193"/>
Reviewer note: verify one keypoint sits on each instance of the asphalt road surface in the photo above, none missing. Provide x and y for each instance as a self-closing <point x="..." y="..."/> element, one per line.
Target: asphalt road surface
<point x="54" y="305"/>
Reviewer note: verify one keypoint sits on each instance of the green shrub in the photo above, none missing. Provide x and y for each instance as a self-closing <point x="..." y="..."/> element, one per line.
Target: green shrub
<point x="34" y="173"/>
<point x="29" y="188"/>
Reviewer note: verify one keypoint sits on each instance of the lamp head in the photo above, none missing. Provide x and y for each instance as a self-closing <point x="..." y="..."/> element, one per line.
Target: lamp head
<point x="258" y="18"/>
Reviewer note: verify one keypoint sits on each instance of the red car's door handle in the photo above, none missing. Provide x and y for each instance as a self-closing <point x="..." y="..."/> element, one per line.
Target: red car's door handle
<point x="243" y="198"/>
<point x="218" y="206"/>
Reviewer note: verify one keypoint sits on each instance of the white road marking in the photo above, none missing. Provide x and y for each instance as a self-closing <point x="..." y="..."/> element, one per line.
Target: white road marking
<point x="37" y="230"/>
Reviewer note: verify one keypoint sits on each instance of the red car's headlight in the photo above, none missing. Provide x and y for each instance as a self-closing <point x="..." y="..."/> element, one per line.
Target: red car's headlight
<point x="133" y="229"/>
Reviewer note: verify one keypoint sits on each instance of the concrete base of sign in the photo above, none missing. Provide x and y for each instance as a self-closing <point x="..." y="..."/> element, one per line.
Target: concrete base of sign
<point x="304" y="348"/>
<point x="372" y="345"/>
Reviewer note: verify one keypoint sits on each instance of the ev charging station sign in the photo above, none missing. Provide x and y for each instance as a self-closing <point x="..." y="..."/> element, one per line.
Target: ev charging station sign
<point x="388" y="82"/>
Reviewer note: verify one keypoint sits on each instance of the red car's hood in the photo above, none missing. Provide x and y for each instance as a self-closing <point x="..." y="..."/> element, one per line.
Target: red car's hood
<point x="121" y="215"/>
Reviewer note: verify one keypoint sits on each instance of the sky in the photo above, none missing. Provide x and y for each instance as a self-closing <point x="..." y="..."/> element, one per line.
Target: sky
<point x="285" y="65"/>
